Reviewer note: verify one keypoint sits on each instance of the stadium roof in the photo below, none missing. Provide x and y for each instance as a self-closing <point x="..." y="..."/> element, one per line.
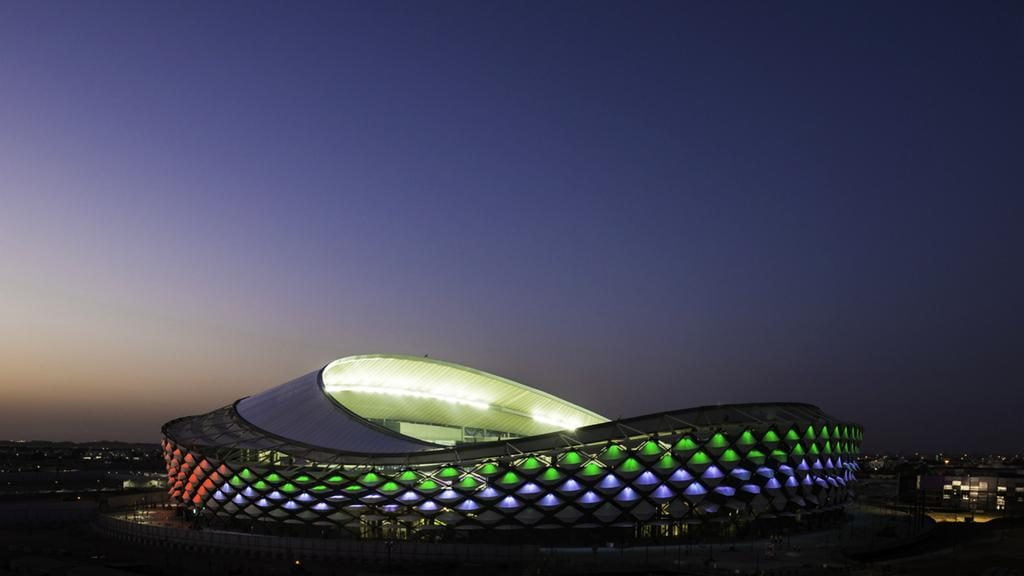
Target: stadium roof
<point x="326" y="415"/>
<point x="414" y="389"/>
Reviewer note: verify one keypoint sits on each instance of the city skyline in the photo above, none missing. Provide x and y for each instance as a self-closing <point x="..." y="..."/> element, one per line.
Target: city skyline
<point x="626" y="207"/>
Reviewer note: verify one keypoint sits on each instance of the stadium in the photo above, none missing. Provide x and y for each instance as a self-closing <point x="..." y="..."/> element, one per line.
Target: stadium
<point x="399" y="447"/>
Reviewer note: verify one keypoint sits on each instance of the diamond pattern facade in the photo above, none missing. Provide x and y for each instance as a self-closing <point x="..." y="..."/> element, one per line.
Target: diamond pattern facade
<point x="688" y="465"/>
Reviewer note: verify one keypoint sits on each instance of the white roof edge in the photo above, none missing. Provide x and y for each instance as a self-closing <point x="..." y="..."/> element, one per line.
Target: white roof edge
<point x="475" y="371"/>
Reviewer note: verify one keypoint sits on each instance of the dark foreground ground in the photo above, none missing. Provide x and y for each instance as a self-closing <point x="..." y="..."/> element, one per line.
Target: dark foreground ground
<point x="992" y="549"/>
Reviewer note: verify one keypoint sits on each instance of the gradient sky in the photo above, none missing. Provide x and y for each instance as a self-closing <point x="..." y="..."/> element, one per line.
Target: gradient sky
<point x="638" y="207"/>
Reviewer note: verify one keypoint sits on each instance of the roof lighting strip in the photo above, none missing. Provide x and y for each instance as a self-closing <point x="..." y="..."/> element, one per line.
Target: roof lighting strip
<point x="408" y="393"/>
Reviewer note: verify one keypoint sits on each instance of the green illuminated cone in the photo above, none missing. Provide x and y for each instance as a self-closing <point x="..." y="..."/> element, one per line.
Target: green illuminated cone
<point x="613" y="454"/>
<point x="685" y="446"/>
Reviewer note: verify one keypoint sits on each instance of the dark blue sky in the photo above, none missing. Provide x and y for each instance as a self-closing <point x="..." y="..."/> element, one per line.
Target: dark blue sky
<point x="636" y="206"/>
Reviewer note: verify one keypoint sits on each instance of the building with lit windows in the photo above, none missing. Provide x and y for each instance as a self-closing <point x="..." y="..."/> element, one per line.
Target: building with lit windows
<point x="955" y="492"/>
<point x="399" y="446"/>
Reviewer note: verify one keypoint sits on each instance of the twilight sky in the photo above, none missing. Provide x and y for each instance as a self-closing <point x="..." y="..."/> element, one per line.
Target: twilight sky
<point x="635" y="206"/>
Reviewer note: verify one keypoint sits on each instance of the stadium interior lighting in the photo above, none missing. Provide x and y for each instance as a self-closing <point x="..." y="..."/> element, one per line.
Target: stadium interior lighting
<point x="408" y="393"/>
<point x="552" y="421"/>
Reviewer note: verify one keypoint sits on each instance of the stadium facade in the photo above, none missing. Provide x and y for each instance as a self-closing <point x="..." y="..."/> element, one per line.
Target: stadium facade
<point x="394" y="446"/>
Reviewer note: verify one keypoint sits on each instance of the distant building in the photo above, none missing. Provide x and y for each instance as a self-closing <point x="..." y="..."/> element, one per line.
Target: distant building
<point x="398" y="446"/>
<point x="965" y="491"/>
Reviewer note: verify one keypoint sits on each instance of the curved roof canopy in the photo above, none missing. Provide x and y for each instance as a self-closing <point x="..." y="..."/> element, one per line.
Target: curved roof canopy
<point x="390" y="410"/>
<point x="434" y="393"/>
<point x="300" y="411"/>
